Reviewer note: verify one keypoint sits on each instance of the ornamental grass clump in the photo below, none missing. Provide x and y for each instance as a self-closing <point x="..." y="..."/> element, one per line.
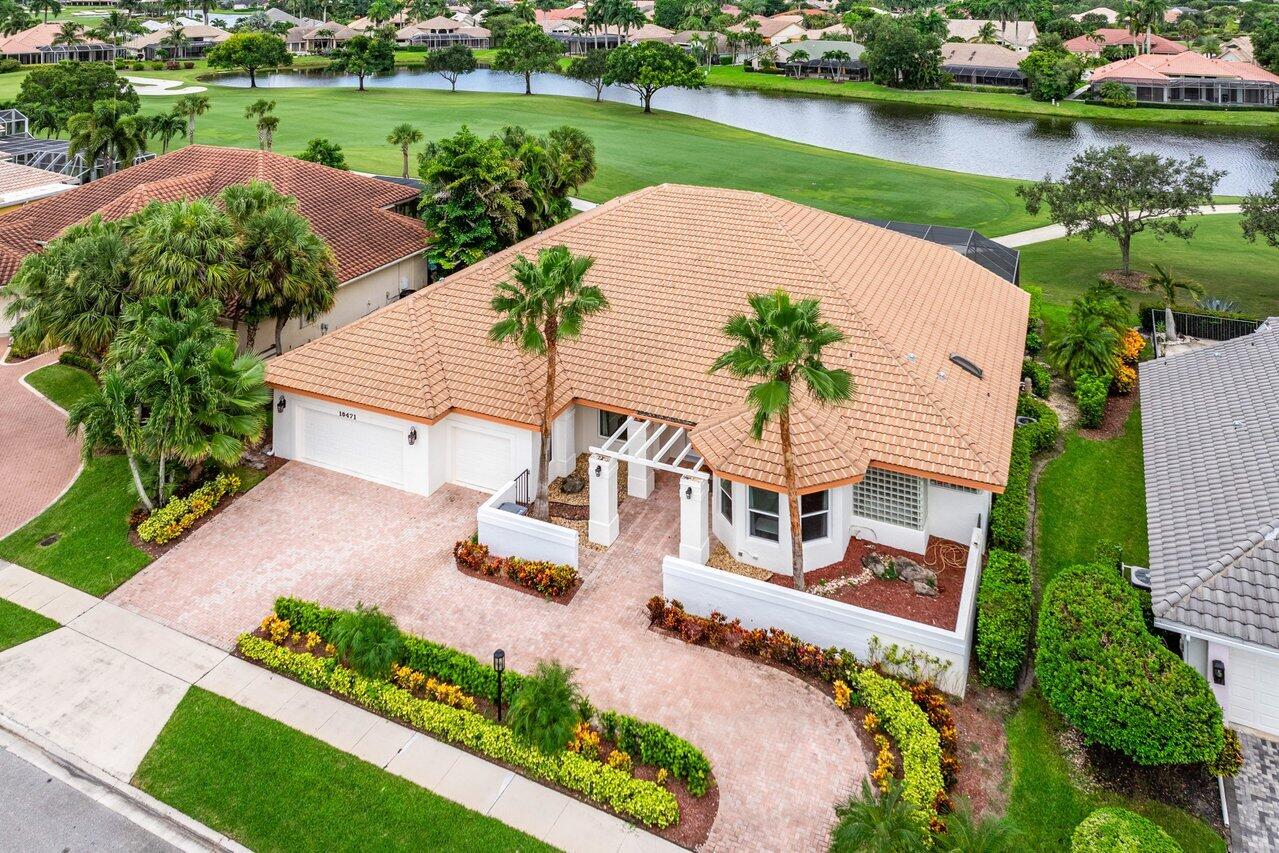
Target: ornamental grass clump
<point x="368" y="640"/>
<point x="545" y="712"/>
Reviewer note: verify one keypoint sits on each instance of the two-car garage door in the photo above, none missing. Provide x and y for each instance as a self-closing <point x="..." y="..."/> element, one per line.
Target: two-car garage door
<point x="1253" y="683"/>
<point x="353" y="446"/>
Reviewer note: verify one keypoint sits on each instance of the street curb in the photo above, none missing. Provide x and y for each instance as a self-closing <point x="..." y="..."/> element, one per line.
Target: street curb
<point x="136" y="805"/>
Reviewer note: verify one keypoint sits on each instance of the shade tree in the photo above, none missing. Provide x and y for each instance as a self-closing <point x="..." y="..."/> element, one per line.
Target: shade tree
<point x="650" y="66"/>
<point x="250" y="52"/>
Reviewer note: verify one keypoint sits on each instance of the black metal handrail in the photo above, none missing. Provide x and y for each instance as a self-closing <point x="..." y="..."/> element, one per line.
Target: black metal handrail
<point x="522" y="495"/>
<point x="1204" y="326"/>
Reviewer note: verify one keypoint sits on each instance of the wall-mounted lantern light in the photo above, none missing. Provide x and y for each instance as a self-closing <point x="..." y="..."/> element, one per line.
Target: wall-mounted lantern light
<point x="412" y="436"/>
<point x="688" y="493"/>
<point x="280" y="404"/>
<point x="1218" y="672"/>
<point x="599" y="469"/>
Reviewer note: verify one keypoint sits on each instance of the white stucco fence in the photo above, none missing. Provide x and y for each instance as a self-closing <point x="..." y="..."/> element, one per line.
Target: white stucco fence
<point x="825" y="622"/>
<point x="509" y="535"/>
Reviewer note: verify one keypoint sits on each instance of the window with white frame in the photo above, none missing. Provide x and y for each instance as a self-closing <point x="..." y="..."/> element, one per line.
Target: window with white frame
<point x="763" y="520"/>
<point x="611" y="422"/>
<point x="891" y="497"/>
<point x="726" y="499"/>
<point x="814" y="516"/>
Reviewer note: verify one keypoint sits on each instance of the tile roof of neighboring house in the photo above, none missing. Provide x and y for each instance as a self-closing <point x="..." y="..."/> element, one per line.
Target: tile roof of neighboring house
<point x="1116" y="37"/>
<point x="197" y="32"/>
<point x="34" y="39"/>
<point x="816" y="47"/>
<point x="651" y="32"/>
<point x="1211" y="446"/>
<point x="675" y="262"/>
<point x="345" y="209"/>
<point x="980" y="55"/>
<point x="572" y="13"/>
<point x="1109" y="14"/>
<point x="1017" y="33"/>
<point x="767" y="26"/>
<point x="1154" y="67"/>
<point x="19" y="183"/>
<point x="1238" y="49"/>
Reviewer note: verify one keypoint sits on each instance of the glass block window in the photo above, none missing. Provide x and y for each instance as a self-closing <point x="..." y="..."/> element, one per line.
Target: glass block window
<point x="763" y="518"/>
<point x="891" y="497"/>
<point x="726" y="499"/>
<point x="611" y="422"/>
<point x="955" y="487"/>
<point x="814" y="515"/>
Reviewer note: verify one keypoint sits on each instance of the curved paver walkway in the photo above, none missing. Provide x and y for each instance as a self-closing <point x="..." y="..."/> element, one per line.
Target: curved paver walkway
<point x="1053" y="232"/>
<point x="38" y="458"/>
<point x="783" y="754"/>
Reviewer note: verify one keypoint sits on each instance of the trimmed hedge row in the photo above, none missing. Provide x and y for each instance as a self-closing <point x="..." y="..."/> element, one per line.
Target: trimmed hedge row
<point x="1010" y="514"/>
<point x="645" y="801"/>
<point x="656" y="746"/>
<point x="1111" y="679"/>
<point x="1041" y="378"/>
<point x="1004" y="610"/>
<point x="916" y="739"/>
<point x="1110" y="829"/>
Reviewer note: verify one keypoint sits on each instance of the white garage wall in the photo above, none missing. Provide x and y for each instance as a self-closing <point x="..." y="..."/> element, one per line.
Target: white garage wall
<point x="523" y="446"/>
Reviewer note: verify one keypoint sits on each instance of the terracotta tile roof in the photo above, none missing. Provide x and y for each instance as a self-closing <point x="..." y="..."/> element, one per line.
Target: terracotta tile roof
<point x="1161" y="69"/>
<point x="33" y="39"/>
<point x="345" y="209"/>
<point x="971" y="55"/>
<point x="195" y="32"/>
<point x="16" y="178"/>
<point x="1119" y="37"/>
<point x="675" y="262"/>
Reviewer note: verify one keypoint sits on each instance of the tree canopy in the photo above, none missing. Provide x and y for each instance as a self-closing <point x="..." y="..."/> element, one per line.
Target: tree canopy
<point x="902" y="53"/>
<point x="590" y="68"/>
<point x="451" y="63"/>
<point x="649" y="66"/>
<point x="1261" y="215"/>
<point x="527" y="50"/>
<point x="326" y="153"/>
<point x="364" y="55"/>
<point x="51" y="94"/>
<point x="250" y="51"/>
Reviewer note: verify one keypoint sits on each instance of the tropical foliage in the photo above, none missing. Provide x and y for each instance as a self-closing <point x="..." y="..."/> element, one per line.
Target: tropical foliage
<point x="546" y="710"/>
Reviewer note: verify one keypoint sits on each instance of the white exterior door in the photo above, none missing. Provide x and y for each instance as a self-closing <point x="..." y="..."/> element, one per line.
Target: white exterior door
<point x="481" y="459"/>
<point x="1253" y="683"/>
<point x="353" y="446"/>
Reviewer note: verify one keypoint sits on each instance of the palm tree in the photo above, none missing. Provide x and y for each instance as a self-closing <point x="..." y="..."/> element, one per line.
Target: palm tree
<point x="987" y="34"/>
<point x="1149" y="13"/>
<point x="189" y="107"/>
<point x="404" y="135"/>
<point x="16" y="21"/>
<point x="628" y="15"/>
<point x="1167" y="284"/>
<point x="541" y="304"/>
<point x="47" y="6"/>
<point x="176" y="41"/>
<point x="116" y="23"/>
<point x="965" y="833"/>
<point x="69" y="35"/>
<point x="836" y="58"/>
<point x="799" y="56"/>
<point x="111" y="416"/>
<point x="183" y="246"/>
<point x="1088" y="344"/>
<point x="106" y="133"/>
<point x="166" y="127"/>
<point x="780" y="343"/>
<point x="878" y="823"/>
<point x="261" y="111"/>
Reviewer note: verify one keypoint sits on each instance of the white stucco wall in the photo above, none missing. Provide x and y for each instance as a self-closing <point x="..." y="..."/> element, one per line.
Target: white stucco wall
<point x="509" y="535"/>
<point x="952" y="513"/>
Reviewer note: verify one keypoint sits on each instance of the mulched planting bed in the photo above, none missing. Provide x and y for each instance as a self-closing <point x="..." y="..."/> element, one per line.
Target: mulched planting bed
<point x="696" y="814"/>
<point x="1187" y="786"/>
<point x="1134" y="280"/>
<point x="1118" y="408"/>
<point x="895" y="597"/>
<point x="504" y="581"/>
<point x="983" y="746"/>
<point x="569" y="512"/>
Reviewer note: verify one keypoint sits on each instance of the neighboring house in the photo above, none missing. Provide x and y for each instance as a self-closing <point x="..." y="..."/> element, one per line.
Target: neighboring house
<point x="1093" y="44"/>
<point x="1212" y="506"/>
<point x="379" y="251"/>
<point x="1110" y="15"/>
<point x="1018" y="35"/>
<point x="198" y="39"/>
<point x="279" y="16"/>
<point x="685" y="38"/>
<point x="1238" y="49"/>
<point x="650" y="32"/>
<point x="21" y="185"/>
<point x="366" y="23"/>
<point x="983" y="64"/>
<point x="1191" y="78"/>
<point x="321" y="39"/>
<point x="773" y="32"/>
<point x="416" y="395"/>
<point x="813" y="65"/>
<point x="442" y="32"/>
<point x="35" y="46"/>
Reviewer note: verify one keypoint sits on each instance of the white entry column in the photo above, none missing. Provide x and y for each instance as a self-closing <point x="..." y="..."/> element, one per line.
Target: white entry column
<point x="694" y="520"/>
<point x="602" y="474"/>
<point x="639" y="478"/>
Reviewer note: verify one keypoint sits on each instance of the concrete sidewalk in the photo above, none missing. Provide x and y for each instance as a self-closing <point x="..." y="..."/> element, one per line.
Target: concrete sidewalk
<point x="103" y="686"/>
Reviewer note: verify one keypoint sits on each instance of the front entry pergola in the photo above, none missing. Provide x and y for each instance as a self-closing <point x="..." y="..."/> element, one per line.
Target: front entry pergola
<point x="646" y="447"/>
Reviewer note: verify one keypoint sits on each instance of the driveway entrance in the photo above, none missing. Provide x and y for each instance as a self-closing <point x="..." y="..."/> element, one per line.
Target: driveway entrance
<point x="783" y="754"/>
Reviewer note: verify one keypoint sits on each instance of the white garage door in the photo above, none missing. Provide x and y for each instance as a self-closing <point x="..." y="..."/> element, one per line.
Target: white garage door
<point x="481" y="459"/>
<point x="352" y="446"/>
<point x="1253" y="684"/>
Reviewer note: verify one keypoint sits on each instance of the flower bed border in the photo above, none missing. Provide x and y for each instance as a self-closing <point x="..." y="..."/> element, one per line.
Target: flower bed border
<point x="499" y="574"/>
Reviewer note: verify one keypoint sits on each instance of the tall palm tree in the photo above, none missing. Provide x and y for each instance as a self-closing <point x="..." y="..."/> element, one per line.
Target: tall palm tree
<point x="49" y="7"/>
<point x="260" y="110"/>
<point x="543" y="303"/>
<point x="106" y="133"/>
<point x="780" y="344"/>
<point x="1149" y="14"/>
<point x="176" y="41"/>
<point x="166" y="127"/>
<point x="17" y="20"/>
<point x="111" y="416"/>
<point x="189" y="107"/>
<point x="987" y="34"/>
<point x="1167" y="284"/>
<point x="183" y="246"/>
<point x="878" y="823"/>
<point x="836" y="58"/>
<point x="405" y="136"/>
<point x="69" y="34"/>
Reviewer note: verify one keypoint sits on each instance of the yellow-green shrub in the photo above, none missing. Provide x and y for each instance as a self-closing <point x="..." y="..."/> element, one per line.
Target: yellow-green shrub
<point x="917" y="741"/>
<point x="171" y="520"/>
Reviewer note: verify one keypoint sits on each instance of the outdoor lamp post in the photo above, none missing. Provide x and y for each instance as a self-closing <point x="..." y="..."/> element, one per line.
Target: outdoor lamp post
<point x="499" y="666"/>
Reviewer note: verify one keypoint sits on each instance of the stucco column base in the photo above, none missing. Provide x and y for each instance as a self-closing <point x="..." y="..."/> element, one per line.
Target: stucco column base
<point x="639" y="478"/>
<point x="602" y="475"/>
<point x="694" y="520"/>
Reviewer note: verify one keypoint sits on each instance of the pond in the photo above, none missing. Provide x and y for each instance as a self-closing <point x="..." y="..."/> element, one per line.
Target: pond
<point x="981" y="143"/>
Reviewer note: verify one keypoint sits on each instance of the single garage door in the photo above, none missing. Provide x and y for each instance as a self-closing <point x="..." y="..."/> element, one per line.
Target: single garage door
<point x="352" y="446"/>
<point x="1253" y="684"/>
<point x="481" y="459"/>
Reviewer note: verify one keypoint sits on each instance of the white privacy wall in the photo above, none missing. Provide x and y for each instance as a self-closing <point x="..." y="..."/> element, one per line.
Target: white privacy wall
<point x="509" y="535"/>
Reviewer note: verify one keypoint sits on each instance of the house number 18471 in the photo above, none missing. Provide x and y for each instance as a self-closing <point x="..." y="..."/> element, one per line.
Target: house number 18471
<point x="348" y="415"/>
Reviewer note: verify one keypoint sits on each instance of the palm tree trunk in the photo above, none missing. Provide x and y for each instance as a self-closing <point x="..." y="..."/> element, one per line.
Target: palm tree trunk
<point x="405" y="150"/>
<point x="541" y="508"/>
<point x="280" y="322"/>
<point x="792" y="503"/>
<point x="159" y="488"/>
<point x="137" y="482"/>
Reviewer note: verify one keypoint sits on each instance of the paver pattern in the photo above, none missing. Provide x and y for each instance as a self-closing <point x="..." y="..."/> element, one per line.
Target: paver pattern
<point x="1257" y="795"/>
<point x="37" y="457"/>
<point x="783" y="754"/>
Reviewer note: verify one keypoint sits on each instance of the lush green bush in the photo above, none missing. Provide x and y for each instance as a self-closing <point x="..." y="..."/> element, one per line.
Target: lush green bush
<point x="9" y="65"/>
<point x="1043" y="433"/>
<point x="544" y="713"/>
<point x="1114" y="94"/>
<point x="78" y="360"/>
<point x="917" y="741"/>
<point x="878" y="820"/>
<point x="638" y="798"/>
<point x="1004" y="602"/>
<point x="368" y="640"/>
<point x="1100" y="668"/>
<point x="1041" y="377"/>
<point x="656" y="746"/>
<point x="171" y="520"/>
<point x="1010" y="513"/>
<point x="1090" y="395"/>
<point x="1229" y="761"/>
<point x="1112" y="829"/>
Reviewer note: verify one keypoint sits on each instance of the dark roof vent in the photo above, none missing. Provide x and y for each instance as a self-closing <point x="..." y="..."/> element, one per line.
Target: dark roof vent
<point x="965" y="364"/>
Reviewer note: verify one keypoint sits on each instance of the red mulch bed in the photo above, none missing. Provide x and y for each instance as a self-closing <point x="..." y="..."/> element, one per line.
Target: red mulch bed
<point x="503" y="580"/>
<point x="273" y="464"/>
<point x="897" y="597"/>
<point x="696" y="814"/>
<point x="1118" y="408"/>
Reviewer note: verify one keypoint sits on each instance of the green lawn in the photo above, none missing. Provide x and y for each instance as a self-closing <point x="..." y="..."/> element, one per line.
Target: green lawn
<point x="1218" y="257"/>
<point x="634" y="150"/>
<point x="61" y="383"/>
<point x="271" y="788"/>
<point x="737" y="78"/>
<point x="18" y="624"/>
<point x="1093" y="491"/>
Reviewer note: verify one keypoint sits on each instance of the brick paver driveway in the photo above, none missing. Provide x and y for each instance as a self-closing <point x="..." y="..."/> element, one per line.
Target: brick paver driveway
<point x="782" y="752"/>
<point x="37" y="456"/>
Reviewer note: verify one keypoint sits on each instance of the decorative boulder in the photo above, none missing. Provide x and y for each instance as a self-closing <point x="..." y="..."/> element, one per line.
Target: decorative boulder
<point x="925" y="589"/>
<point x="877" y="566"/>
<point x="572" y="484"/>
